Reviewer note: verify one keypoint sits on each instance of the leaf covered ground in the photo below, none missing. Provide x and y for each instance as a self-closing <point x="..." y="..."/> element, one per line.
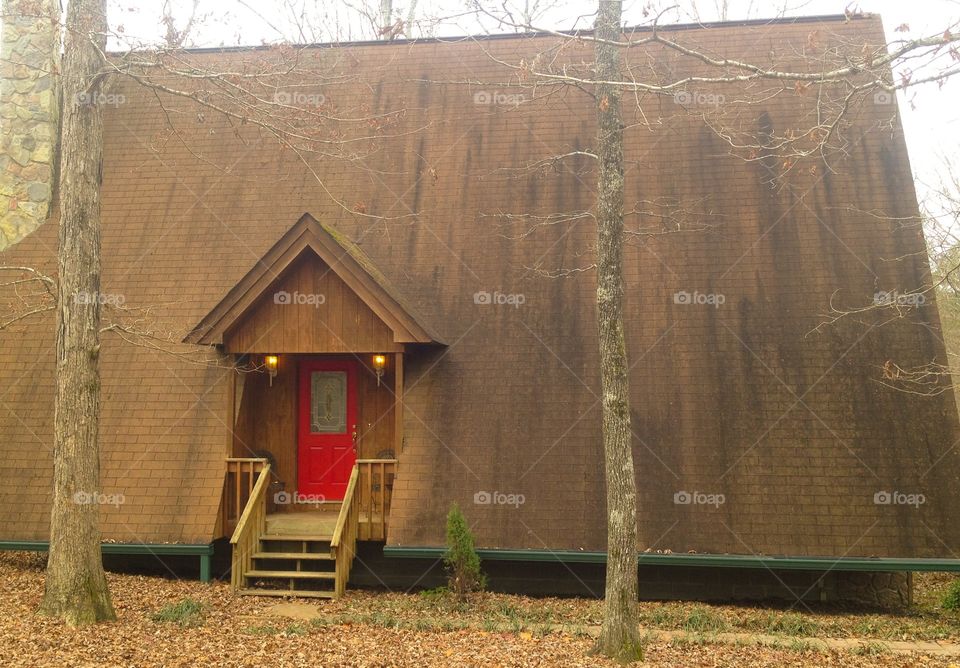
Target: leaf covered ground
<point x="169" y="622"/>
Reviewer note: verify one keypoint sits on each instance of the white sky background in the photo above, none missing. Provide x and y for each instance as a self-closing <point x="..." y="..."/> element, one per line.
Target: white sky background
<point x="931" y="114"/>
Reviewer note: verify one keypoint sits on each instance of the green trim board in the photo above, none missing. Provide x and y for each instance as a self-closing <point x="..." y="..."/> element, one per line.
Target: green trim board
<point x="699" y="560"/>
<point x="204" y="551"/>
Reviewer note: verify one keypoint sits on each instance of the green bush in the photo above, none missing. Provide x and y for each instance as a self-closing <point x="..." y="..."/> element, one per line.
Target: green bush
<point x="951" y="600"/>
<point x="461" y="559"/>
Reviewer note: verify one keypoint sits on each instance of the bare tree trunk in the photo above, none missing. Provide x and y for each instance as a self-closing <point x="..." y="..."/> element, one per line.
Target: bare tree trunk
<point x="386" y="17"/>
<point x="620" y="635"/>
<point x="76" y="587"/>
<point x="411" y="19"/>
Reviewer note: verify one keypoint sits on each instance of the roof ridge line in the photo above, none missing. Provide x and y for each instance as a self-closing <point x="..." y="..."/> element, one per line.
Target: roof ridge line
<point x="672" y="27"/>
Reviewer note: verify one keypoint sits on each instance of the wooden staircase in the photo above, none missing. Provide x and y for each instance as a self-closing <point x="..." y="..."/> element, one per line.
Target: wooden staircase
<point x="292" y="565"/>
<point x="270" y="559"/>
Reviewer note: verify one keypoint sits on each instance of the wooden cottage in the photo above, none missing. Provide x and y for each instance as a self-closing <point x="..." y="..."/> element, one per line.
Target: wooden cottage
<point x="324" y="352"/>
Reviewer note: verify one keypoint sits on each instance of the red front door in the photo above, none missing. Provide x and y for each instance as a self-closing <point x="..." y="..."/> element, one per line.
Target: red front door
<point x="327" y="424"/>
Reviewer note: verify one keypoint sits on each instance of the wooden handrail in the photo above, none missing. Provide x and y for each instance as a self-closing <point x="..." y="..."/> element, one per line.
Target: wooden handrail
<point x="250" y="527"/>
<point x="259" y="490"/>
<point x="346" y="507"/>
<point x="238" y="482"/>
<point x="374" y="492"/>
<point x="343" y="545"/>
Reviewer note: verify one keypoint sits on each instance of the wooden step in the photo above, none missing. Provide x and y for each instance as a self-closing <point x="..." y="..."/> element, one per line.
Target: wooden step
<point x="284" y="575"/>
<point x="296" y="538"/>
<point x="316" y="507"/>
<point x="325" y="556"/>
<point x="286" y="593"/>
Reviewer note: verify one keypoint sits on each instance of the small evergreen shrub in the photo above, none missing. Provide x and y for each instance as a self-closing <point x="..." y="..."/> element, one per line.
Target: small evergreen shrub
<point x="461" y="559"/>
<point x="951" y="600"/>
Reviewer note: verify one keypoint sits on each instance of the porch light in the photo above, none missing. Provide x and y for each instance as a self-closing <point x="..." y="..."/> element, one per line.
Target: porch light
<point x="270" y="362"/>
<point x="379" y="364"/>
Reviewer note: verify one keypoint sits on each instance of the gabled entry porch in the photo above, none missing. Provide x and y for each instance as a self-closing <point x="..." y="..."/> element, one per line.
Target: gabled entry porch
<point x="307" y="553"/>
<point x="312" y="418"/>
<point x="318" y="338"/>
<point x="320" y="480"/>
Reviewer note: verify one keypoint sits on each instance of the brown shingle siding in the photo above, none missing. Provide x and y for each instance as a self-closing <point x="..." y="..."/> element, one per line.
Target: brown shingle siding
<point x="511" y="406"/>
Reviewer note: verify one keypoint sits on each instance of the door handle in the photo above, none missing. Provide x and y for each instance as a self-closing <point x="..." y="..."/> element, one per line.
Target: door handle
<point x="354" y="438"/>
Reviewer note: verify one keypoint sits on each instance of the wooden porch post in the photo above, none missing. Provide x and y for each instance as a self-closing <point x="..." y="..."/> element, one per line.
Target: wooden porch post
<point x="231" y="406"/>
<point x="398" y="406"/>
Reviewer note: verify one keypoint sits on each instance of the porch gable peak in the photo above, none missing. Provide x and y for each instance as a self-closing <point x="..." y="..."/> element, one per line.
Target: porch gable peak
<point x="345" y="260"/>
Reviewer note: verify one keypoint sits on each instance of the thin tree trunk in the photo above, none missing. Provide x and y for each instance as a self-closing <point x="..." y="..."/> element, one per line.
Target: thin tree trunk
<point x="386" y="18"/>
<point x="76" y="587"/>
<point x="620" y="635"/>
<point x="411" y="19"/>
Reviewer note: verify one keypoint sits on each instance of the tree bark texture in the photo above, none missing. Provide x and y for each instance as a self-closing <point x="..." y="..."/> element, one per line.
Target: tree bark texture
<point x="76" y="587"/>
<point x="620" y="636"/>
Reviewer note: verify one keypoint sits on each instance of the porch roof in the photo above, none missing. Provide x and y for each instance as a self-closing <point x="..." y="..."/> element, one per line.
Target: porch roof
<point x="344" y="258"/>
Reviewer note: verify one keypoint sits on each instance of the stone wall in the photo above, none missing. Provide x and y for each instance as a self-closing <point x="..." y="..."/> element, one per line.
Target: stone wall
<point x="29" y="113"/>
<point x="885" y="590"/>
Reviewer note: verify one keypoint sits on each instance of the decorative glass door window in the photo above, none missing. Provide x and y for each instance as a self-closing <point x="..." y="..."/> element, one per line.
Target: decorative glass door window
<point x="328" y="402"/>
